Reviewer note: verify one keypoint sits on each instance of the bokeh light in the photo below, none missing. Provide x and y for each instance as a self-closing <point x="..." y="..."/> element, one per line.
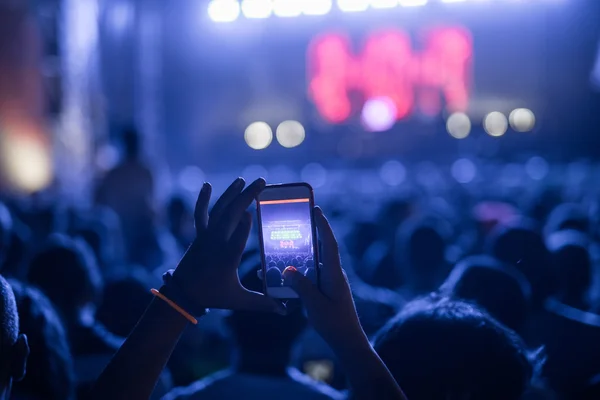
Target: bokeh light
<point x="317" y="7"/>
<point x="26" y="160"/>
<point x="258" y="135"/>
<point x="255" y="171"/>
<point x="287" y="8"/>
<point x="463" y="170"/>
<point x="495" y="124"/>
<point x="458" y="125"/>
<point x="191" y="178"/>
<point x="384" y="3"/>
<point x="315" y="174"/>
<point x="290" y="134"/>
<point x="223" y="10"/>
<point x="392" y="173"/>
<point x="412" y="3"/>
<point x="537" y="168"/>
<point x="379" y="114"/>
<point x="257" y="8"/>
<point x="353" y="5"/>
<point x="522" y="120"/>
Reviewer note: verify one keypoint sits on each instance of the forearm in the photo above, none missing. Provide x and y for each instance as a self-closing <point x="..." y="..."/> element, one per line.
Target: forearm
<point x="134" y="370"/>
<point x="368" y="376"/>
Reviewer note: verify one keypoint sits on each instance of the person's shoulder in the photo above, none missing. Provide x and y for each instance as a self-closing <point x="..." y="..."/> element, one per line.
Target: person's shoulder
<point x="196" y="389"/>
<point x="318" y="389"/>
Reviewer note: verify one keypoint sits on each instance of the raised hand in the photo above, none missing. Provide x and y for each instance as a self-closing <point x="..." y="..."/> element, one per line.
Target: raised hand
<point x="332" y="313"/>
<point x="207" y="274"/>
<point x="331" y="310"/>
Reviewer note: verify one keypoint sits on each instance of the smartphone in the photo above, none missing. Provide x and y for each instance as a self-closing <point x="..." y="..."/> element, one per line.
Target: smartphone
<point x="287" y="236"/>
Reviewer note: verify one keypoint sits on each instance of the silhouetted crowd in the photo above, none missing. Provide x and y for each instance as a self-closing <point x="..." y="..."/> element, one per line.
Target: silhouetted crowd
<point x="464" y="292"/>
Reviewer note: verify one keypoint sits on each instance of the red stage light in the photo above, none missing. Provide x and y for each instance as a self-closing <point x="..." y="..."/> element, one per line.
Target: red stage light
<point x="388" y="67"/>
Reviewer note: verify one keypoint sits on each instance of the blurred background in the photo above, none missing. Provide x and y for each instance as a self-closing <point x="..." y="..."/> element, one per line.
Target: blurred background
<point x="297" y="90"/>
<point x="431" y="131"/>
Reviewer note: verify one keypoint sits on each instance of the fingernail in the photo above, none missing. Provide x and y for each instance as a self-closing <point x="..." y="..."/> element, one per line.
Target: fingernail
<point x="318" y="210"/>
<point x="204" y="187"/>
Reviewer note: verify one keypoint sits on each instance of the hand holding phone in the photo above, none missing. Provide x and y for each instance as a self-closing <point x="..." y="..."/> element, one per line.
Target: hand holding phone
<point x="287" y="236"/>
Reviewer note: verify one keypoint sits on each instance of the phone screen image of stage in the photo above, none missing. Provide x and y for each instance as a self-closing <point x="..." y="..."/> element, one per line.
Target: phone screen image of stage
<point x="287" y="239"/>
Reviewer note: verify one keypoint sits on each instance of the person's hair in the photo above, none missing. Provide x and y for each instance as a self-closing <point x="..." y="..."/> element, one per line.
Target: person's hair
<point x="133" y="290"/>
<point x="567" y="216"/>
<point x="572" y="263"/>
<point x="50" y="372"/>
<point x="500" y="289"/>
<point x="521" y="246"/>
<point x="423" y="241"/>
<point x="446" y="349"/>
<point x="66" y="271"/>
<point x="9" y="328"/>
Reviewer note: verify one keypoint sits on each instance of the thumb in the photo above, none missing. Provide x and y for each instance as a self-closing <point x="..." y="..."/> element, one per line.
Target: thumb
<point x="308" y="292"/>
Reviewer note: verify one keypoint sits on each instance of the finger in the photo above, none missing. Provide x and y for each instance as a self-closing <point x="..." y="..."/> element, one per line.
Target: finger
<point x="254" y="301"/>
<point x="201" y="209"/>
<point x="330" y="250"/>
<point x="239" y="237"/>
<point x="227" y="197"/>
<point x="238" y="206"/>
<point x="308" y="293"/>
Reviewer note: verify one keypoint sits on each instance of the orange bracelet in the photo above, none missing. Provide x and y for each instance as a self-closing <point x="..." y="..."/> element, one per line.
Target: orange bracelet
<point x="170" y="302"/>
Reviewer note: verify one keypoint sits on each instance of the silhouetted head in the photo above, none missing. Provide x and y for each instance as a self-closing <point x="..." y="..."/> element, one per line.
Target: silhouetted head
<point x="13" y="346"/>
<point x="132" y="142"/>
<point x="265" y="338"/>
<point x="421" y="247"/>
<point x="448" y="349"/>
<point x="124" y="301"/>
<point x="567" y="216"/>
<point x="50" y="367"/>
<point x="500" y="289"/>
<point x="66" y="271"/>
<point x="521" y="246"/>
<point x="573" y="266"/>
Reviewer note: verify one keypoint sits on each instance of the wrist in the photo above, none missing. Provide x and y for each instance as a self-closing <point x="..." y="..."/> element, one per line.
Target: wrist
<point x="174" y="292"/>
<point x="167" y="314"/>
<point x="350" y="344"/>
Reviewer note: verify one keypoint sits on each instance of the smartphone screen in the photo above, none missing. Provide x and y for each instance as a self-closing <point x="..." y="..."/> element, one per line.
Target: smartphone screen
<point x="287" y="236"/>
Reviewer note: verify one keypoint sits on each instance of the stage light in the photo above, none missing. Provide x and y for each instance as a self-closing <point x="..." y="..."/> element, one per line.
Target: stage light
<point x="495" y="124"/>
<point x="379" y="114"/>
<point x="315" y="174"/>
<point x="522" y="120"/>
<point x="258" y="135"/>
<point x="463" y="170"/>
<point x="392" y="173"/>
<point x="412" y="3"/>
<point x="191" y="178"/>
<point x="353" y="5"/>
<point x="537" y="168"/>
<point x="317" y="7"/>
<point x="287" y="8"/>
<point x="458" y="125"/>
<point x="384" y="3"/>
<point x="27" y="161"/>
<point x="256" y="9"/>
<point x="223" y="10"/>
<point x="290" y="134"/>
